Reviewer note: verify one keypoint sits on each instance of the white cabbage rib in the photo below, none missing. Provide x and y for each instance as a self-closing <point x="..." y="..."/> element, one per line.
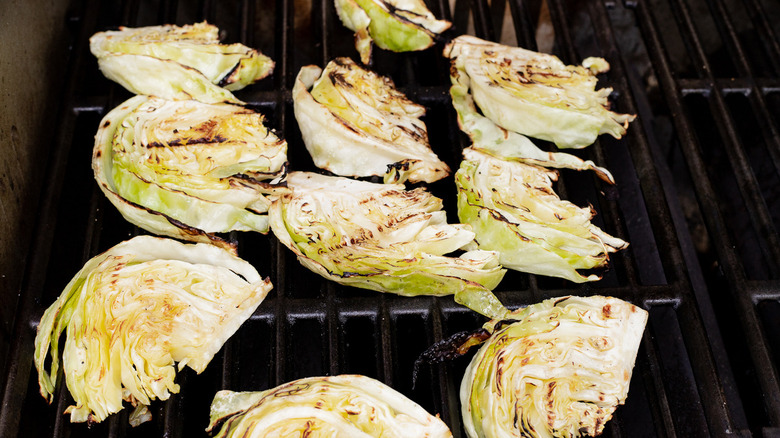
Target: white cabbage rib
<point x="178" y="62"/>
<point x="132" y="313"/>
<point x="384" y="238"/>
<point x="188" y="169"/>
<point x="355" y="123"/>
<point x="513" y="210"/>
<point x="559" y="370"/>
<point x="344" y="406"/>
<point x="535" y="94"/>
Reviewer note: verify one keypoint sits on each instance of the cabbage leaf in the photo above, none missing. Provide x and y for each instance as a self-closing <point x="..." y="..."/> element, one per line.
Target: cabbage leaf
<point x="395" y="25"/>
<point x="513" y="210"/>
<point x="343" y="405"/>
<point x="178" y="62"/>
<point x="135" y="311"/>
<point x="558" y="368"/>
<point x="489" y="138"/>
<point x="535" y="94"/>
<point x="355" y="123"/>
<point x="384" y="238"/>
<point x="188" y="169"/>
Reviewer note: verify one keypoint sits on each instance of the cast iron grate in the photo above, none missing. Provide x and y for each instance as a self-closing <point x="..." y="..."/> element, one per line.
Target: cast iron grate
<point x="696" y="196"/>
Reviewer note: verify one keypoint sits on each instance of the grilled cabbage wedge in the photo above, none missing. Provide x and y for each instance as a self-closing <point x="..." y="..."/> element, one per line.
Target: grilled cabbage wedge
<point x="344" y="405"/>
<point x="178" y="62"/>
<point x="131" y="313"/>
<point x="535" y="94"/>
<point x="489" y="138"/>
<point x="384" y="238"/>
<point x="513" y="210"/>
<point x="395" y="25"/>
<point x="355" y="123"/>
<point x="558" y="368"/>
<point x="188" y="169"/>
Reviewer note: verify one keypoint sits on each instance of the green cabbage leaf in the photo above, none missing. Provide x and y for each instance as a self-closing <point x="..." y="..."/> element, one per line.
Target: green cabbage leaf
<point x="513" y="210"/>
<point x="355" y="123"/>
<point x="535" y="94"/>
<point x="178" y="62"/>
<point x="134" y="315"/>
<point x="558" y="368"/>
<point x="384" y="238"/>
<point x="395" y="25"/>
<point x="492" y="139"/>
<point x="188" y="169"/>
<point x="343" y="405"/>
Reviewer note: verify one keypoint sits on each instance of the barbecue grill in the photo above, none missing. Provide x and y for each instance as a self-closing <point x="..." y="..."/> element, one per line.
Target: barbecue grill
<point x="697" y="196"/>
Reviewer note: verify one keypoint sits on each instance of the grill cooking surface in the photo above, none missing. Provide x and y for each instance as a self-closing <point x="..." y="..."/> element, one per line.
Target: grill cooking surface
<point x="698" y="179"/>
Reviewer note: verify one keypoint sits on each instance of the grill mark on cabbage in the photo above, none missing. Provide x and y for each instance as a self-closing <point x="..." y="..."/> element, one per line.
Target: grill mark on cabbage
<point x="308" y="430"/>
<point x="229" y="76"/>
<point x="188" y="230"/>
<point x="339" y="79"/>
<point x="392" y="10"/>
<point x="550" y="402"/>
<point x="499" y="372"/>
<point x="417" y="134"/>
<point x="188" y="142"/>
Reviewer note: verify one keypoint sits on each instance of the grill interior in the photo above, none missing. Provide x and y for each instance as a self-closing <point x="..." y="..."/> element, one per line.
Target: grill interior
<point x="697" y="196"/>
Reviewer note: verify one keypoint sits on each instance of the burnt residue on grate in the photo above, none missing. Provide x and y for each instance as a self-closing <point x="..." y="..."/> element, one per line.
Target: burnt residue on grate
<point x="698" y="176"/>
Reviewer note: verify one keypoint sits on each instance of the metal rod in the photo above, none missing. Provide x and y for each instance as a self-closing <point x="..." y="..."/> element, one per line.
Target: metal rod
<point x="707" y="198"/>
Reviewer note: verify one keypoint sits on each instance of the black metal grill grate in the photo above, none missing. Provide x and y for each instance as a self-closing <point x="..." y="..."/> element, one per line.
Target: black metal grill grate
<point x="697" y="196"/>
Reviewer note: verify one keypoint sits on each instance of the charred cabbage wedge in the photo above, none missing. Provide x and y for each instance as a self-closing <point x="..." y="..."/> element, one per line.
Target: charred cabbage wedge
<point x="494" y="140"/>
<point x="355" y="123"/>
<point x="131" y="313"/>
<point x="344" y="406"/>
<point x="384" y="238"/>
<point x="513" y="210"/>
<point x="188" y="169"/>
<point x="558" y="368"/>
<point x="178" y="62"/>
<point x="535" y="94"/>
<point x="396" y="25"/>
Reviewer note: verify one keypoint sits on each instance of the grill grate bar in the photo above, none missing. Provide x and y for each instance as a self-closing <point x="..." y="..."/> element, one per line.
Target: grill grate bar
<point x="652" y="192"/>
<point x="324" y="19"/>
<point x="751" y="326"/>
<point x="747" y="183"/>
<point x="524" y="24"/>
<point x="333" y="322"/>
<point x="758" y="103"/>
<point x="767" y="36"/>
<point x="482" y="22"/>
<point x="386" y="342"/>
<point x="654" y="378"/>
<point x="608" y="211"/>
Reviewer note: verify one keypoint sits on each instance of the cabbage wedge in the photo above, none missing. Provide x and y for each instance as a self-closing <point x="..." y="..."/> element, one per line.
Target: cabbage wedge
<point x="489" y="138"/>
<point x="355" y="123"/>
<point x="188" y="169"/>
<point x="535" y="94"/>
<point x="384" y="238"/>
<point x="513" y="210"/>
<point x="178" y="62"/>
<point x="395" y="25"/>
<point x="344" y="406"/>
<point x="558" y="368"/>
<point x="131" y="313"/>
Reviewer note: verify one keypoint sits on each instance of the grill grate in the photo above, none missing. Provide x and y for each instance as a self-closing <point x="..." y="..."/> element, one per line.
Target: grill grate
<point x="697" y="196"/>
